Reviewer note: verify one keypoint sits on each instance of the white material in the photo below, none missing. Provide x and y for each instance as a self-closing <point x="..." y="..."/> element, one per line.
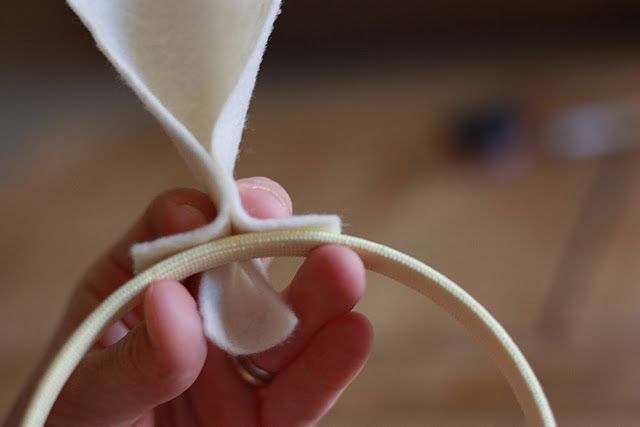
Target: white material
<point x="249" y="310"/>
<point x="194" y="64"/>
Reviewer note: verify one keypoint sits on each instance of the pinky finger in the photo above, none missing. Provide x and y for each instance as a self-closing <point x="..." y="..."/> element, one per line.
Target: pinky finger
<point x="307" y="389"/>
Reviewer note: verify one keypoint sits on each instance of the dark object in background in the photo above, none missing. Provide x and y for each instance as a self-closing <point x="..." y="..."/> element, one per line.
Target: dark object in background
<point x="486" y="131"/>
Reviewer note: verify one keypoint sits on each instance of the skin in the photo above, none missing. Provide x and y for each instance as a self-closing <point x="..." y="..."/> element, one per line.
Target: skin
<point x="155" y="367"/>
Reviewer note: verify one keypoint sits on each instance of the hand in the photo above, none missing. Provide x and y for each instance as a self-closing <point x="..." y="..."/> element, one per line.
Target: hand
<point x="155" y="367"/>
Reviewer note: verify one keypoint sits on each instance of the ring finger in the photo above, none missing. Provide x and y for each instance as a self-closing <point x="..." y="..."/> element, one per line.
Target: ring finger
<point x="328" y="284"/>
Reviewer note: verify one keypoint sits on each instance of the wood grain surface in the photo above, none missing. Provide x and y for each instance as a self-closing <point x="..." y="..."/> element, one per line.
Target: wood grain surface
<point x="369" y="146"/>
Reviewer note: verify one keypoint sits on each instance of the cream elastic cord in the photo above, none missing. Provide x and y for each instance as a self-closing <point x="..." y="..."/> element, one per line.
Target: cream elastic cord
<point x="376" y="257"/>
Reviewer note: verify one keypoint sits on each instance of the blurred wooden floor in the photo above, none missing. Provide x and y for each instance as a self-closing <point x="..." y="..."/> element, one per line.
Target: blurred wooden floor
<point x="366" y="147"/>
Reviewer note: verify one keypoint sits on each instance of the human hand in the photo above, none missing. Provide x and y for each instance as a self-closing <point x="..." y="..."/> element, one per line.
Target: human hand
<point x="155" y="367"/>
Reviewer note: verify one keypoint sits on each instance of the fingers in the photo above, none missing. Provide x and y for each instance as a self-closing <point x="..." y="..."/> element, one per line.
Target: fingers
<point x="174" y="211"/>
<point x="264" y="198"/>
<point x="261" y="198"/>
<point x="177" y="211"/>
<point x="303" y="392"/>
<point x="329" y="284"/>
<point x="221" y="396"/>
<point x="154" y="363"/>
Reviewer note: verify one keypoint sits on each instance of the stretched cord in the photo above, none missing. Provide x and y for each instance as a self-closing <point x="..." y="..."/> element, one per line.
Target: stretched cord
<point x="376" y="257"/>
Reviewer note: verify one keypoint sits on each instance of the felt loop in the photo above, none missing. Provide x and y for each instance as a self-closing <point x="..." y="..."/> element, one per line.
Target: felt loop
<point x="240" y="291"/>
<point x="194" y="65"/>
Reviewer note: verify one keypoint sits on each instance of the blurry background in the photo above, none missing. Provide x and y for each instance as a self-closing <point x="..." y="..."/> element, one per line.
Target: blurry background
<point x="495" y="140"/>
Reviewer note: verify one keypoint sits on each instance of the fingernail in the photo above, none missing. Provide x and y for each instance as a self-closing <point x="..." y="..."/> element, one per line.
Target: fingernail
<point x="113" y="334"/>
<point x="263" y="198"/>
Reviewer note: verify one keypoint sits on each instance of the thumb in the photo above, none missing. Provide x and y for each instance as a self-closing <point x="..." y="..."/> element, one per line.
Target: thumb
<point x="154" y="363"/>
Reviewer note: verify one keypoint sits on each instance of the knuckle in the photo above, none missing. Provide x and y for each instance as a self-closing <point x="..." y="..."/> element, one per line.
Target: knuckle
<point x="164" y="207"/>
<point x="176" y="196"/>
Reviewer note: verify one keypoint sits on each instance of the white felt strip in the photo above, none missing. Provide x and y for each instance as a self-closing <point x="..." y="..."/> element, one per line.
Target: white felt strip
<point x="240" y="291"/>
<point x="194" y="65"/>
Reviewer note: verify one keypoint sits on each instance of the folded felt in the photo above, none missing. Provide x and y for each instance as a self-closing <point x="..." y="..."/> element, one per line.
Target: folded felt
<point x="194" y="63"/>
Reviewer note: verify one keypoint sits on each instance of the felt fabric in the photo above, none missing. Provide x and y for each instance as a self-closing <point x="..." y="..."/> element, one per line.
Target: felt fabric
<point x="194" y="63"/>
